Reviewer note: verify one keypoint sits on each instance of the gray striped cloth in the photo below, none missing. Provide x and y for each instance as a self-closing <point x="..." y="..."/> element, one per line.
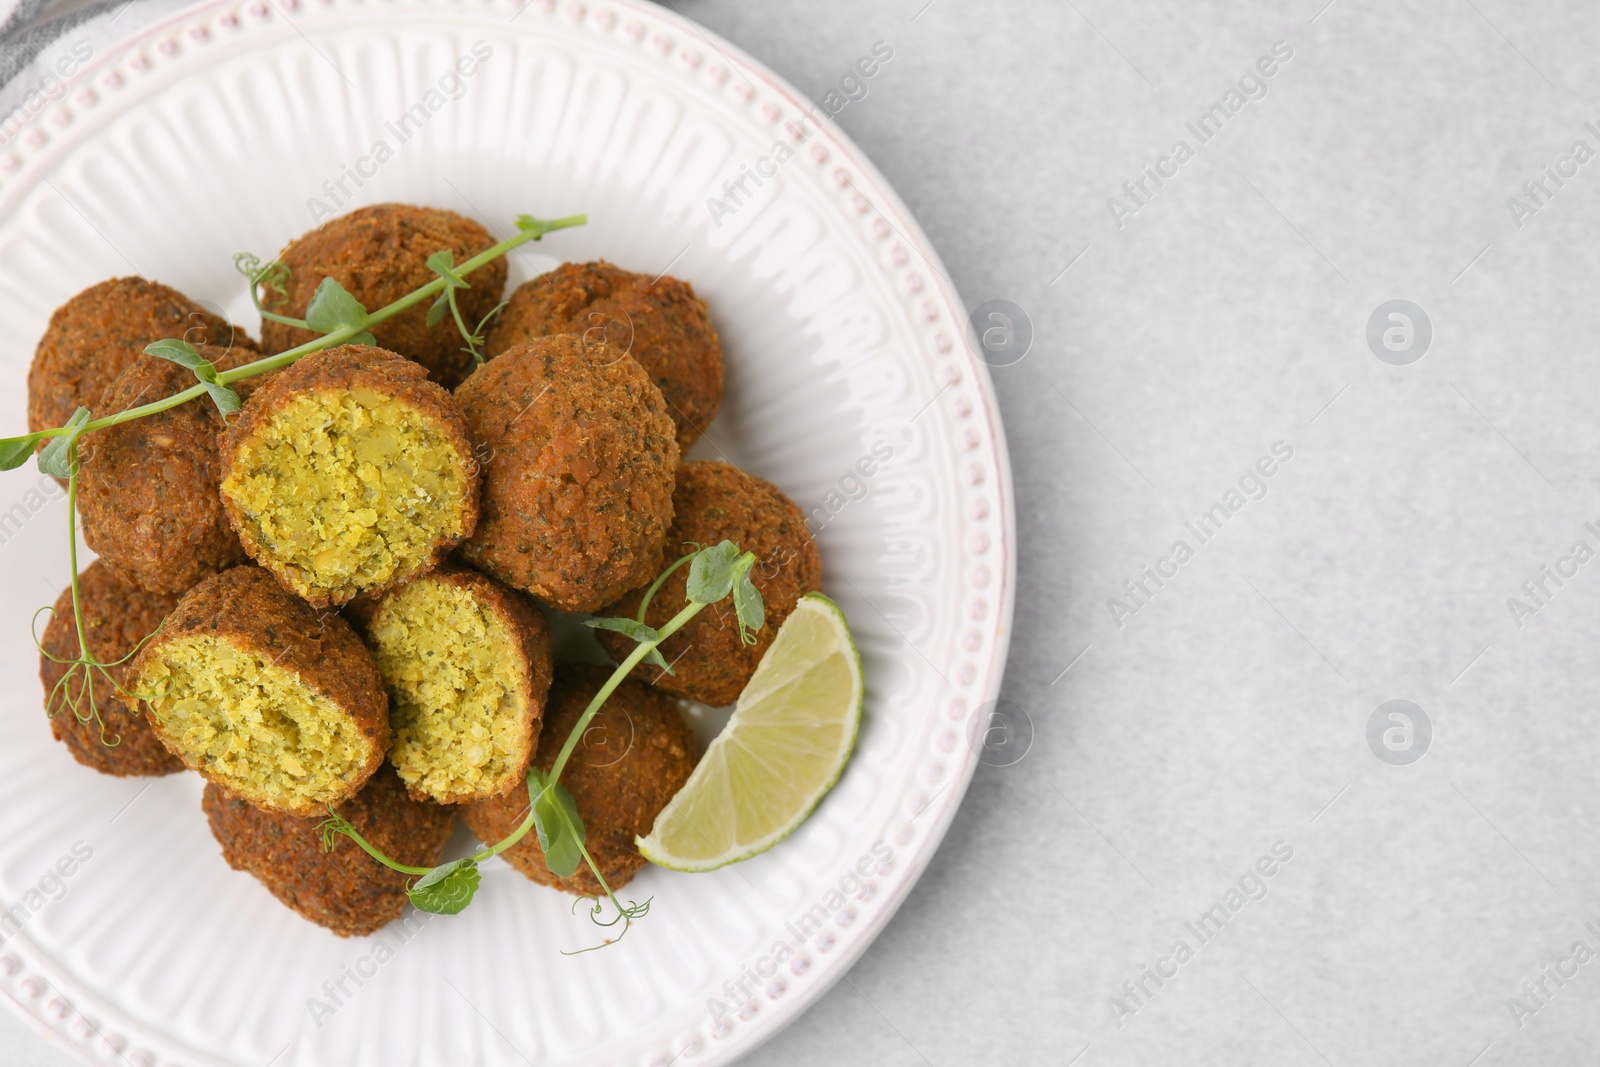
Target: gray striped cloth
<point x="44" y="44"/>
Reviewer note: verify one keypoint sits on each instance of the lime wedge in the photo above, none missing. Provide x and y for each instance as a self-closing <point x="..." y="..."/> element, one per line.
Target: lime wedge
<point x="784" y="748"/>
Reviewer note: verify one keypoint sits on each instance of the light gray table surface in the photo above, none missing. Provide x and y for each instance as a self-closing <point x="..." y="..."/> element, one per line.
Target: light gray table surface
<point x="1185" y="730"/>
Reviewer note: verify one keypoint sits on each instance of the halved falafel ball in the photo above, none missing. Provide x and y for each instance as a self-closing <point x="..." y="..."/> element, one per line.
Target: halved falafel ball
<point x="467" y="664"/>
<point x="714" y="502"/>
<point x="345" y="890"/>
<point x="579" y="458"/>
<point x="660" y="322"/>
<point x="349" y="472"/>
<point x="264" y="696"/>
<point x="94" y="336"/>
<point x="631" y="760"/>
<point x="116" y="618"/>
<point x="380" y="254"/>
<point x="147" y="489"/>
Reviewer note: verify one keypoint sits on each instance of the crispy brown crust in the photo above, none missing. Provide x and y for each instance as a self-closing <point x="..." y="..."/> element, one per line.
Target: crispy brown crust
<point x="579" y="456"/>
<point x="522" y="617"/>
<point x="713" y="502"/>
<point x="94" y="336"/>
<point x="115" y="618"/>
<point x="635" y="755"/>
<point x="345" y="890"/>
<point x="148" y="488"/>
<point x="660" y="322"/>
<point x="346" y="367"/>
<point x="248" y="609"/>
<point x="380" y="254"/>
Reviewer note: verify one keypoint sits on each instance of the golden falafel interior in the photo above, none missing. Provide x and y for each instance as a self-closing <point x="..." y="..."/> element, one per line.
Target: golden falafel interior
<point x="348" y="488"/>
<point x="458" y="706"/>
<point x="255" y="726"/>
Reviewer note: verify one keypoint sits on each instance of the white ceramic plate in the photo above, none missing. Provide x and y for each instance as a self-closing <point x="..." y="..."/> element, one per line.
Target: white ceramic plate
<point x="210" y="134"/>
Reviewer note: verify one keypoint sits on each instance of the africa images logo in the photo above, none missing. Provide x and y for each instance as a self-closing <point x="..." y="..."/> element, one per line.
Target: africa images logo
<point x="1399" y="732"/>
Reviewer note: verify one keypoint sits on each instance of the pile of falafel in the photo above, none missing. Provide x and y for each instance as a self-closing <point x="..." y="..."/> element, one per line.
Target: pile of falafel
<point x="343" y="594"/>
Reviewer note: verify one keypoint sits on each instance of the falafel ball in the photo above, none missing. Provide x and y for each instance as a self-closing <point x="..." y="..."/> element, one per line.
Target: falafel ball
<point x="579" y="458"/>
<point x="147" y="489"/>
<point x="345" y="890"/>
<point x="262" y="695"/>
<point x="715" y="502"/>
<point x="660" y="322"/>
<point x="349" y="472"/>
<point x="380" y="254"/>
<point x="116" y="618"/>
<point x="94" y="336"/>
<point x="467" y="664"/>
<point x="632" y="759"/>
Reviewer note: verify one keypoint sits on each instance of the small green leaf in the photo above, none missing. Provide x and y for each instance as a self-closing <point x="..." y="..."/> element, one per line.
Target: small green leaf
<point x="447" y="889"/>
<point x="226" y="399"/>
<point x="182" y="353"/>
<point x="443" y="264"/>
<point x="639" y="632"/>
<point x="14" y="451"/>
<point x="363" y="339"/>
<point x="560" y="829"/>
<point x="632" y="627"/>
<point x="711" y="573"/>
<point x="333" y="308"/>
<point x="186" y="355"/>
<point x="56" y="459"/>
<point x="747" y="602"/>
<point x="440" y="308"/>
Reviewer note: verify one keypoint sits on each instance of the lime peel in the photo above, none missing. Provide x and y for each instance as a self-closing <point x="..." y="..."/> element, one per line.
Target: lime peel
<point x="787" y="743"/>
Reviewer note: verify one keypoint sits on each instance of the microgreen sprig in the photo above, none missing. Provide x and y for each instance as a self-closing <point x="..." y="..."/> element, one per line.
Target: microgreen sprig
<point x="76" y="686"/>
<point x="270" y="277"/>
<point x="443" y="264"/>
<point x="715" y="572"/>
